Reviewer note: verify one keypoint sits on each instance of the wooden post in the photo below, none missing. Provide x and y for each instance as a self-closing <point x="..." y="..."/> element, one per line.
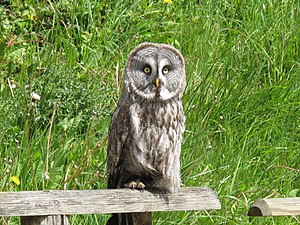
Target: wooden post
<point x="45" y="207"/>
<point x="275" y="207"/>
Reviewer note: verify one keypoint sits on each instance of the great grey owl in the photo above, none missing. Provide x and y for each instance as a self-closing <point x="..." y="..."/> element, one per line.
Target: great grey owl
<point x="147" y="127"/>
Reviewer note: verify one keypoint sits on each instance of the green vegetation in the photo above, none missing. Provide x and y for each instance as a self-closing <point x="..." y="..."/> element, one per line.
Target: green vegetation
<point x="242" y="100"/>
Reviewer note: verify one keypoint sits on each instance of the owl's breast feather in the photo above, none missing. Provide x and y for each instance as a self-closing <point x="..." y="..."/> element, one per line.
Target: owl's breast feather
<point x="156" y="136"/>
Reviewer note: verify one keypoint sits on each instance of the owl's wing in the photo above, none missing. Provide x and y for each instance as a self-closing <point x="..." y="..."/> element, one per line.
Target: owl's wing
<point x="116" y="151"/>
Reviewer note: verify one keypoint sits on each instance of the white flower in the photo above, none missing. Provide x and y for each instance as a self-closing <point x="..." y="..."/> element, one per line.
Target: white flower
<point x="35" y="96"/>
<point x="13" y="84"/>
<point x="46" y="176"/>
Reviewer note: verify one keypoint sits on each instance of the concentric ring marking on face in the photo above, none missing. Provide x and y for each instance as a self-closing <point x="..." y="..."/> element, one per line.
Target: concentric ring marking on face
<point x="144" y="63"/>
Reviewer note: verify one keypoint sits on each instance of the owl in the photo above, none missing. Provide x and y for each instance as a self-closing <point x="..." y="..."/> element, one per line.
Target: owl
<point x="147" y="126"/>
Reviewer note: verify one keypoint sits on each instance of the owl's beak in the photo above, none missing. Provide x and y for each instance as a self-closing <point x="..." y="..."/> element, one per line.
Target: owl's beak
<point x="157" y="82"/>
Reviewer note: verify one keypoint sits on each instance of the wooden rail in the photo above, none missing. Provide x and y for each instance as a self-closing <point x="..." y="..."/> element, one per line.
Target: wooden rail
<point x="275" y="207"/>
<point x="50" y="207"/>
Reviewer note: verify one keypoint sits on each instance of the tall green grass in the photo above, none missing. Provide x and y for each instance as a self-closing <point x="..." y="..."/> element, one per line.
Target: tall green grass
<point x="242" y="100"/>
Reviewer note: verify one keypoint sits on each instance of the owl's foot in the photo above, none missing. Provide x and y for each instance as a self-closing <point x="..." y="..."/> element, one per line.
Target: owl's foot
<point x="135" y="185"/>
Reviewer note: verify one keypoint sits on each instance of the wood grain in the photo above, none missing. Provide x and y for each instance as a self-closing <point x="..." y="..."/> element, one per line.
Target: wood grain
<point x="275" y="207"/>
<point x="40" y="203"/>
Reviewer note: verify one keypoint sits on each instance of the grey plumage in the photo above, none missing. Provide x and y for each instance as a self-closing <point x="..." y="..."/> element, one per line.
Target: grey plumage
<point x="146" y="129"/>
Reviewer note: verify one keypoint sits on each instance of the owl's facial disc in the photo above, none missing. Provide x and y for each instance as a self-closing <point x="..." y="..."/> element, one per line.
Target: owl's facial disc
<point x="156" y="72"/>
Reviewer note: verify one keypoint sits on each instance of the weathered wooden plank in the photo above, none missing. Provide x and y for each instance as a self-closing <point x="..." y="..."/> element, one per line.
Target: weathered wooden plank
<point x="275" y="207"/>
<point x="39" y="203"/>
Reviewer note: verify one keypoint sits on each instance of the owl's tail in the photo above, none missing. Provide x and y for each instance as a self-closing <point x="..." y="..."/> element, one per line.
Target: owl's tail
<point x="130" y="219"/>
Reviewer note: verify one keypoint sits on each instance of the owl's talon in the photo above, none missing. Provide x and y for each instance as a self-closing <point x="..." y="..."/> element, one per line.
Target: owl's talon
<point x="140" y="186"/>
<point x="135" y="185"/>
<point x="132" y="185"/>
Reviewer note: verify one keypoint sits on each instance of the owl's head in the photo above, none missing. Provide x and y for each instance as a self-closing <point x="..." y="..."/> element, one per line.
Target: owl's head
<point x="155" y="72"/>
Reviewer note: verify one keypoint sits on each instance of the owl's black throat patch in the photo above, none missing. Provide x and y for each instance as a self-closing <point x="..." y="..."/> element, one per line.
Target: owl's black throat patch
<point x="157" y="91"/>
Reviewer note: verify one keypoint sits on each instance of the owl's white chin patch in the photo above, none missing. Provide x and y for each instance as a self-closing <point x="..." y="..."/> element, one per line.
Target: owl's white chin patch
<point x="164" y="94"/>
<point x="151" y="93"/>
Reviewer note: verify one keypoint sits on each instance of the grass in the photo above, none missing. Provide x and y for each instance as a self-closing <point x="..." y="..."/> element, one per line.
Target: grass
<point x="242" y="99"/>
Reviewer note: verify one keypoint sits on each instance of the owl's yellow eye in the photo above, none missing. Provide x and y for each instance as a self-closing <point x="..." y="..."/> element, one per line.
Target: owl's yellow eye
<point x="147" y="69"/>
<point x="165" y="70"/>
